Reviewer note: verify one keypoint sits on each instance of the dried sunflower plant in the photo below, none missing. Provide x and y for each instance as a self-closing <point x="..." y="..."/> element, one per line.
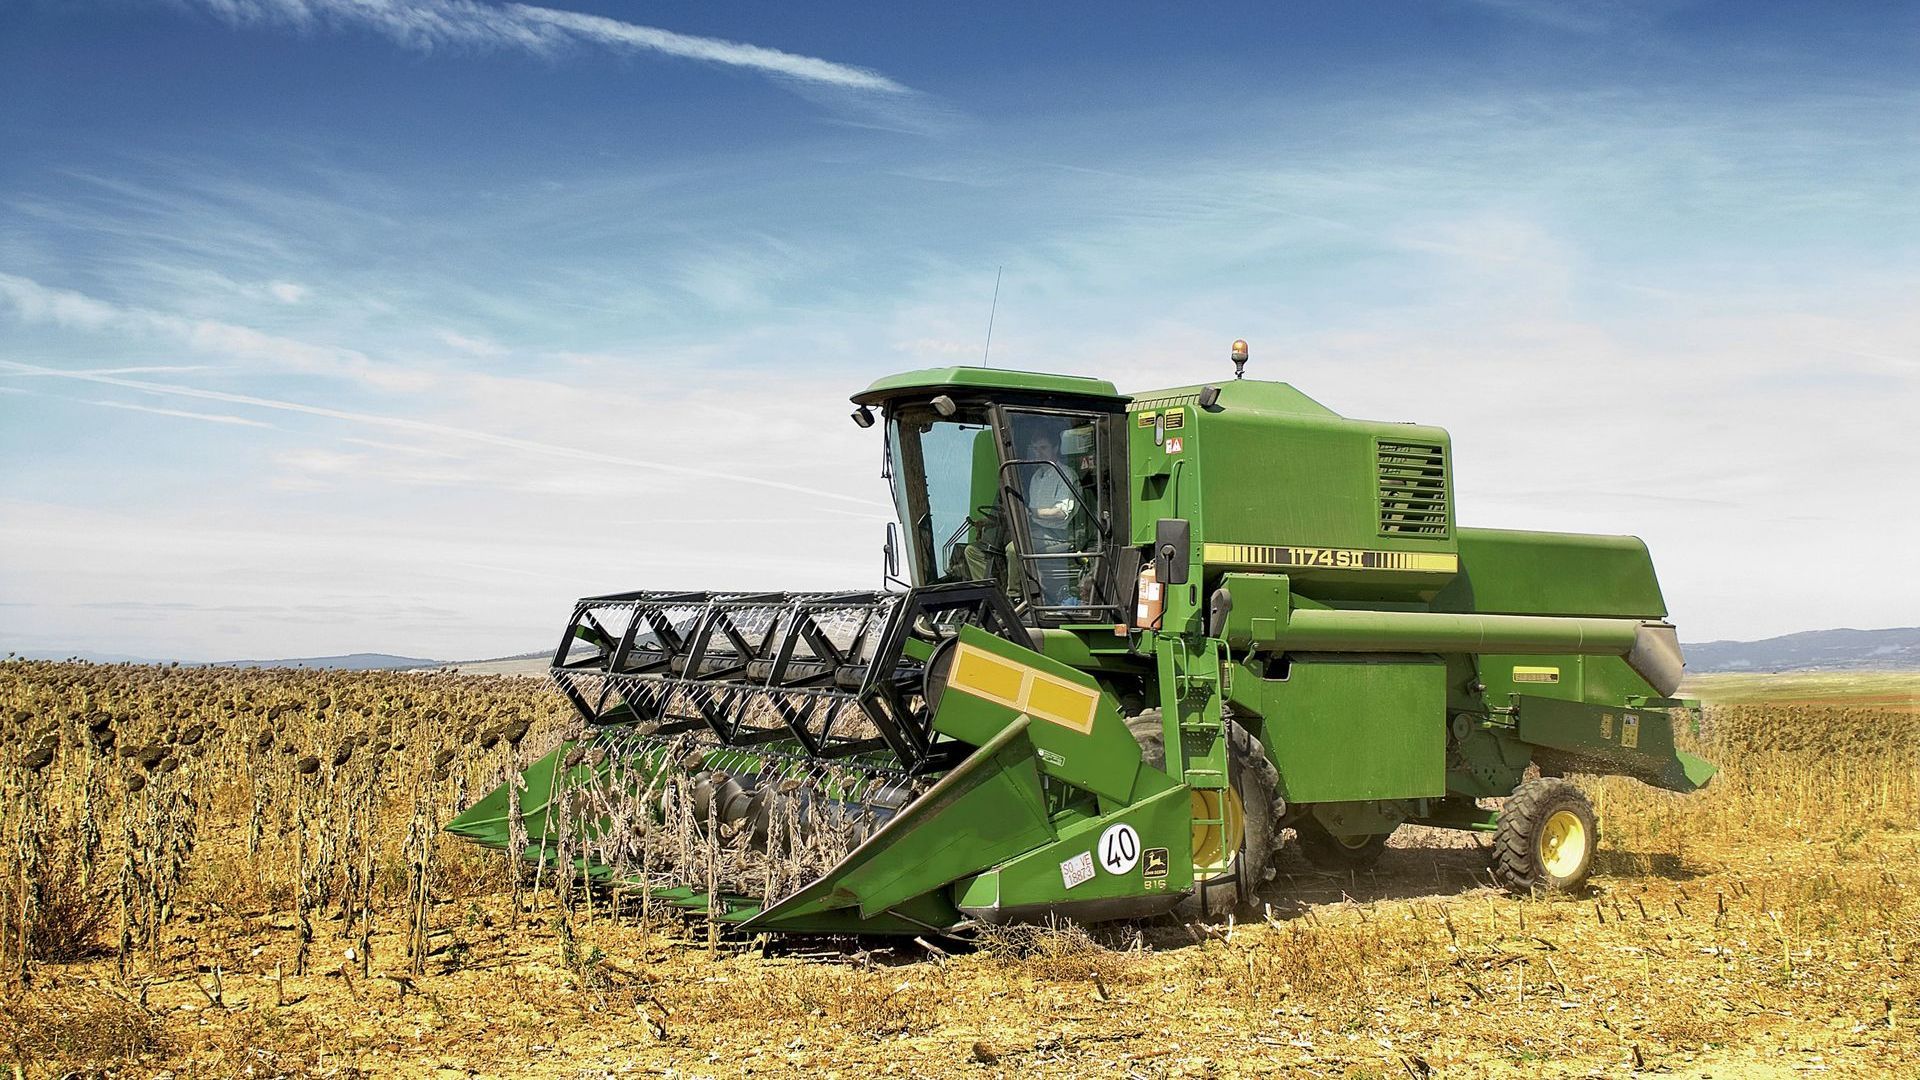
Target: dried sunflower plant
<point x="138" y="804"/>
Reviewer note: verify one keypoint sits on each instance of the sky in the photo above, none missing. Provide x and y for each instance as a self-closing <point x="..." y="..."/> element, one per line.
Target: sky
<point x="395" y="325"/>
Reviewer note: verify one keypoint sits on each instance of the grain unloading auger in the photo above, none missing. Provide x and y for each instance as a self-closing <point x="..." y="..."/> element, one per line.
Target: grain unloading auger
<point x="1145" y="637"/>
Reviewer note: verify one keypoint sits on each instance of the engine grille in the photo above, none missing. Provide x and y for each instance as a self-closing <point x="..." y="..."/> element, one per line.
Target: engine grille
<point x="1413" y="489"/>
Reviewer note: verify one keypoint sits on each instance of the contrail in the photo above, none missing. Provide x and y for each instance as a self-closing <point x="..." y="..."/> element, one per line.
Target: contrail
<point x="429" y="24"/>
<point x="396" y="423"/>
<point x="211" y="418"/>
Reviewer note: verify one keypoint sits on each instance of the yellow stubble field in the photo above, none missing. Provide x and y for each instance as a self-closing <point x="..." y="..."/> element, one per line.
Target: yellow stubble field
<point x="241" y="873"/>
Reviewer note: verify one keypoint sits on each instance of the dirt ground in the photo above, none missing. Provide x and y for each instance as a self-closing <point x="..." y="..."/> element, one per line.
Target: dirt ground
<point x="1768" y="926"/>
<point x="1415" y="969"/>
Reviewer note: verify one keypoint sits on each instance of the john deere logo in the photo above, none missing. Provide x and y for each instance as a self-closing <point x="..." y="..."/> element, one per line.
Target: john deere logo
<point x="1153" y="862"/>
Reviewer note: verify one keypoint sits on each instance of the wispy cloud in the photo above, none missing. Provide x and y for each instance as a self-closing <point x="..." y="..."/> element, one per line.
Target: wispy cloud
<point x="443" y="430"/>
<point x="430" y="24"/>
<point x="1584" y="17"/>
<point x="475" y="346"/>
<point x="399" y="448"/>
<point x="38" y="303"/>
<point x="141" y="369"/>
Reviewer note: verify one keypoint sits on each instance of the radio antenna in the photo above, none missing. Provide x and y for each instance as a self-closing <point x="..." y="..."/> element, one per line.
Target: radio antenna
<point x="991" y="311"/>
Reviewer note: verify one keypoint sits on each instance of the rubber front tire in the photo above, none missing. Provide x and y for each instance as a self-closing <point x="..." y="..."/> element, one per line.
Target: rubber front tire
<point x="1329" y="852"/>
<point x="1253" y="778"/>
<point x="1545" y="838"/>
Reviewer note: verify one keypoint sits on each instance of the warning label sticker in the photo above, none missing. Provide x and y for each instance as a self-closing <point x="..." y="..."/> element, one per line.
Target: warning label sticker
<point x="1629" y="731"/>
<point x="1077" y="870"/>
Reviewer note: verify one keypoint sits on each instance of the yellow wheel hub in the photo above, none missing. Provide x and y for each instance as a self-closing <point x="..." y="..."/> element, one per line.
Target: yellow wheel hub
<point x="1353" y="843"/>
<point x="1563" y="844"/>
<point x="1216" y="835"/>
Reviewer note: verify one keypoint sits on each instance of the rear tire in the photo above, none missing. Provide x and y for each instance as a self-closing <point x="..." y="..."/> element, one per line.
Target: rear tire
<point x="1329" y="852"/>
<point x="1254" y="780"/>
<point x="1545" y="838"/>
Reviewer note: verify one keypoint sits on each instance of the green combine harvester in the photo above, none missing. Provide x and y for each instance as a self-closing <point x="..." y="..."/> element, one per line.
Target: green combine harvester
<point x="1139" y="638"/>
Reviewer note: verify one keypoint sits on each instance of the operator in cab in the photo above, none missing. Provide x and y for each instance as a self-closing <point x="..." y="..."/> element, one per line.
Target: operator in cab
<point x="1050" y="495"/>
<point x="1052" y="500"/>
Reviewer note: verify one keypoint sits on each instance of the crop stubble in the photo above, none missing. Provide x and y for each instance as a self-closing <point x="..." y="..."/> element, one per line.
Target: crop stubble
<point x="216" y="871"/>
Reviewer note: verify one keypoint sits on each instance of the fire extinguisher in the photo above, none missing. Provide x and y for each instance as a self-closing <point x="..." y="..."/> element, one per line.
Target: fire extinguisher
<point x="1152" y="602"/>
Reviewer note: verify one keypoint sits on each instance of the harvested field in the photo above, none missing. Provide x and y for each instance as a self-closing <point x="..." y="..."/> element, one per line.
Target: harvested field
<point x="1899" y="690"/>
<point x="217" y="872"/>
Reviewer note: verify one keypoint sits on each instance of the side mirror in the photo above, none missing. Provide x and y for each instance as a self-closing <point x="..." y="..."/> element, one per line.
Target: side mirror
<point x="891" y="552"/>
<point x="1172" y="548"/>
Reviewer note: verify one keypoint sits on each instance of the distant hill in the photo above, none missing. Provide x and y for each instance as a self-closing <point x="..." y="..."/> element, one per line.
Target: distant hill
<point x="1882" y="650"/>
<point x="530" y="664"/>
<point x="359" y="661"/>
<point x="346" y="662"/>
<point x="82" y="654"/>
<point x="546" y="654"/>
<point x="1896" y="649"/>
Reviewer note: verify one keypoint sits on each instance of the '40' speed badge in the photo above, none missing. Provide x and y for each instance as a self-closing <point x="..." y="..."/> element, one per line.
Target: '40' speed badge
<point x="1119" y="849"/>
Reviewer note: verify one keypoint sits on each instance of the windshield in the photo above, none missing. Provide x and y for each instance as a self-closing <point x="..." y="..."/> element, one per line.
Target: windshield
<point x="945" y="473"/>
<point x="1015" y="496"/>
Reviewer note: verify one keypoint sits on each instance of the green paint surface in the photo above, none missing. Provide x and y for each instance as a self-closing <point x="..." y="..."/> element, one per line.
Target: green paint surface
<point x="1342" y="729"/>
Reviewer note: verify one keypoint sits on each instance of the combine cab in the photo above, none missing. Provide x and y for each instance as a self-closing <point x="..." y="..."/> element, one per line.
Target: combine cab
<point x="1145" y="637"/>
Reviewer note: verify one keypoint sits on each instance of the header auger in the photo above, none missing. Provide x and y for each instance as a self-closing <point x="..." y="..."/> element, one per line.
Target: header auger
<point x="1145" y="636"/>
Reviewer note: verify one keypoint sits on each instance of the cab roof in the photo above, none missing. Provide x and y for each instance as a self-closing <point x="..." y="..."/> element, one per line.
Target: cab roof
<point x="938" y="380"/>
